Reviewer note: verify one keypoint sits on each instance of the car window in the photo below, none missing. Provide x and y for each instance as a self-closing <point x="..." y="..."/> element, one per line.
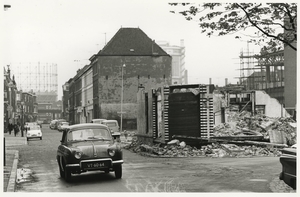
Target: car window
<point x="89" y="134"/>
<point x="111" y="124"/>
<point x="34" y="127"/>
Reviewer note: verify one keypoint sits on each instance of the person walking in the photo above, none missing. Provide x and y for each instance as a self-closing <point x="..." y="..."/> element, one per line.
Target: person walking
<point x="125" y="135"/>
<point x="16" y="129"/>
<point x="10" y="127"/>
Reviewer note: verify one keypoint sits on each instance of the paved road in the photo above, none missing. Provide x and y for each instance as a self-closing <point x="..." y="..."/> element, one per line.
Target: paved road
<point x="144" y="174"/>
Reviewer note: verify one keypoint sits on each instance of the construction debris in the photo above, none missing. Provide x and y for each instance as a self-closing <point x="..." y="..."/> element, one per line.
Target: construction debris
<point x="236" y="138"/>
<point x="213" y="150"/>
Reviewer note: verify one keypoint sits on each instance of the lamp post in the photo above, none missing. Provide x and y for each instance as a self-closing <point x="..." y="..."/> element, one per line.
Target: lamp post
<point x="121" y="126"/>
<point x="22" y="118"/>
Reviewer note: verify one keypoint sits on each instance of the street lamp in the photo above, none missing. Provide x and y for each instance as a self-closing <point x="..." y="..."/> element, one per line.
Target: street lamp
<point x="22" y="120"/>
<point x="123" y="66"/>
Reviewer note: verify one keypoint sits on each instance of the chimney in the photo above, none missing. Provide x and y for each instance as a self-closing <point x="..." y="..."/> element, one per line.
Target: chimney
<point x="8" y="71"/>
<point x="209" y="81"/>
<point x="226" y="81"/>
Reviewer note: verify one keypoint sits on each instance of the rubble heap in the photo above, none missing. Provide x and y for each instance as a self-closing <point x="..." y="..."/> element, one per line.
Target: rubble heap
<point x="239" y="124"/>
<point x="179" y="149"/>
<point x="266" y="126"/>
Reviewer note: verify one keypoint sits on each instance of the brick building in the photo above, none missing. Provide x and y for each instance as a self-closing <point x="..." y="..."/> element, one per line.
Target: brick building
<point x="95" y="91"/>
<point x="146" y="64"/>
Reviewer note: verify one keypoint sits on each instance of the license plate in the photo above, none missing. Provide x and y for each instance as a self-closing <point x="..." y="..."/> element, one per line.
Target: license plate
<point x="94" y="165"/>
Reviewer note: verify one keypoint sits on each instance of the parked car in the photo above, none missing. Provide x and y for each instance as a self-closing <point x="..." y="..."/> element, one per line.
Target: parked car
<point x="88" y="147"/>
<point x="52" y="124"/>
<point x="34" y="131"/>
<point x="98" y="121"/>
<point x="62" y="126"/>
<point x="58" y="122"/>
<point x="112" y="125"/>
<point x="288" y="162"/>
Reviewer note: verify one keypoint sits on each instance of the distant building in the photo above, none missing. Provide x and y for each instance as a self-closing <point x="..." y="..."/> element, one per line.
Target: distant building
<point x="146" y="64"/>
<point x="130" y="55"/>
<point x="10" y="98"/>
<point x="50" y="111"/>
<point x="179" y="73"/>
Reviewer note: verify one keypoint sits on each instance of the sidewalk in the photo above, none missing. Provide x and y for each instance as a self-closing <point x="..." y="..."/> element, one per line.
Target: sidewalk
<point x="11" y="158"/>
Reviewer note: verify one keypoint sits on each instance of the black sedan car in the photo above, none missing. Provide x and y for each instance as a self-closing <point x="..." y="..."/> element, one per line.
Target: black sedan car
<point x="88" y="147"/>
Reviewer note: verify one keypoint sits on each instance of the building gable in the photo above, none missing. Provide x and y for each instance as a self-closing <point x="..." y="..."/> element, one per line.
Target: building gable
<point x="131" y="42"/>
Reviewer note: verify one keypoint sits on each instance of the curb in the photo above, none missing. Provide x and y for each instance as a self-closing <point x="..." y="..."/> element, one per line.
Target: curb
<point x="13" y="175"/>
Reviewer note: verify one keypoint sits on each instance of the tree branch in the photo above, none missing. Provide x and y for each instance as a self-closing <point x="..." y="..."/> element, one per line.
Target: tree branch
<point x="264" y="32"/>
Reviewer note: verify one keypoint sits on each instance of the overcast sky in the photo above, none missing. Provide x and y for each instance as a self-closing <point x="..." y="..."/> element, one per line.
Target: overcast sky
<point x="68" y="33"/>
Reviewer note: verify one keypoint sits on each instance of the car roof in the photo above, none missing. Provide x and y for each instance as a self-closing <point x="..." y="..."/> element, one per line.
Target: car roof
<point x="110" y="121"/>
<point x="86" y="125"/>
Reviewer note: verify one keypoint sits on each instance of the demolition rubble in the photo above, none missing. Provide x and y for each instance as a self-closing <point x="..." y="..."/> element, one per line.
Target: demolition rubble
<point x="243" y="136"/>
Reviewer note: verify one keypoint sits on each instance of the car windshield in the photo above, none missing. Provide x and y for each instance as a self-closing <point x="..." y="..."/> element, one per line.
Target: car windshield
<point x="89" y="134"/>
<point x="111" y="124"/>
<point x="34" y="127"/>
<point x="65" y="123"/>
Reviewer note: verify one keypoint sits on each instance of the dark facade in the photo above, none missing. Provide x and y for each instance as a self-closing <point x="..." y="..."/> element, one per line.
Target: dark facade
<point x="145" y="63"/>
<point x="65" y="101"/>
<point x="10" y="100"/>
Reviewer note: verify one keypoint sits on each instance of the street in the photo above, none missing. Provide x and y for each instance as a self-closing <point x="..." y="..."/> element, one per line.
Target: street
<point x="40" y="173"/>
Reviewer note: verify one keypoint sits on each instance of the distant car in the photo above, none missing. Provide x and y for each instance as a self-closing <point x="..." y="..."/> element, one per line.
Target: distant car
<point x="112" y="125"/>
<point x="62" y="126"/>
<point x="98" y="121"/>
<point x="34" y="131"/>
<point x="58" y="122"/>
<point x="30" y="124"/>
<point x="39" y="123"/>
<point x="52" y="124"/>
<point x="88" y="147"/>
<point x="288" y="161"/>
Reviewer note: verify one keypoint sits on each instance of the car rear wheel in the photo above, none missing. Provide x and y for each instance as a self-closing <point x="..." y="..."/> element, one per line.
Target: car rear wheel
<point x="118" y="171"/>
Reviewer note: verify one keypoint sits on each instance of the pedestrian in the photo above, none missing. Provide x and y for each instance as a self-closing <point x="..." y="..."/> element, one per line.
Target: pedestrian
<point x="22" y="130"/>
<point x="16" y="129"/>
<point x="125" y="135"/>
<point x="10" y="127"/>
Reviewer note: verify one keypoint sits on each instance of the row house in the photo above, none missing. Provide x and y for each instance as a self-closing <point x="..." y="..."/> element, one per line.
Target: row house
<point x="10" y="94"/>
<point x="128" y="61"/>
<point x="80" y="102"/>
<point x="18" y="106"/>
<point x="27" y="107"/>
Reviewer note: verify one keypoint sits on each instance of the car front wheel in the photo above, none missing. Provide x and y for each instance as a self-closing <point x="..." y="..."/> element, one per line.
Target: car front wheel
<point x="118" y="171"/>
<point x="67" y="174"/>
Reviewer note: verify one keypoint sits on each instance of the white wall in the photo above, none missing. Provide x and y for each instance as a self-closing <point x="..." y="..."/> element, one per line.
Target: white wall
<point x="272" y="107"/>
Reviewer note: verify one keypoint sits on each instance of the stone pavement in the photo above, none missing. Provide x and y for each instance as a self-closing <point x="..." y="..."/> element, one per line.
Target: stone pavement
<point x="10" y="160"/>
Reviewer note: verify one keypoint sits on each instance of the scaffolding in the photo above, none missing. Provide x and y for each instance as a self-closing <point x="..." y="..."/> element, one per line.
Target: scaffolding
<point x="35" y="77"/>
<point x="263" y="72"/>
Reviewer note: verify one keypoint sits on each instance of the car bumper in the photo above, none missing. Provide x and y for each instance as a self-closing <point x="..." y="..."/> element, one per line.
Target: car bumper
<point x="81" y="166"/>
<point x="288" y="162"/>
